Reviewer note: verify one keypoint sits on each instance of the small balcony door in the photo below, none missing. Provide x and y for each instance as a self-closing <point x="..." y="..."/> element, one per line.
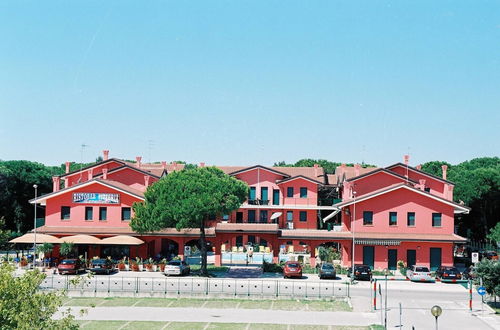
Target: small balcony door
<point x="251" y="216"/>
<point x="276" y="197"/>
<point x="239" y="217"/>
<point x="392" y="259"/>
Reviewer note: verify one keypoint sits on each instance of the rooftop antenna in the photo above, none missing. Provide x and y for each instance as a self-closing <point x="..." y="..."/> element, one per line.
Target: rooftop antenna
<point x="151" y="144"/>
<point x="83" y="146"/>
<point x="363" y="150"/>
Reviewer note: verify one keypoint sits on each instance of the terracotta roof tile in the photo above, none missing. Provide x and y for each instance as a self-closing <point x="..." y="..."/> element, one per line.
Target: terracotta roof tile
<point x="247" y="227"/>
<point x="70" y="230"/>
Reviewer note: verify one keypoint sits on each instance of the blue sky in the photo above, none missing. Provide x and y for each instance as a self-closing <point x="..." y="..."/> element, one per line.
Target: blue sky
<point x="246" y="82"/>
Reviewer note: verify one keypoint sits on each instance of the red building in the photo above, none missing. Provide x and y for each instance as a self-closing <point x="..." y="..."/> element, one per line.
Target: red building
<point x="392" y="213"/>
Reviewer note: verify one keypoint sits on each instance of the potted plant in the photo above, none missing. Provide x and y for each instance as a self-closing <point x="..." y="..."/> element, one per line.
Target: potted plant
<point x="121" y="265"/>
<point x="66" y="249"/>
<point x="149" y="264"/>
<point x="162" y="264"/>
<point x="44" y="249"/>
<point x="23" y="262"/>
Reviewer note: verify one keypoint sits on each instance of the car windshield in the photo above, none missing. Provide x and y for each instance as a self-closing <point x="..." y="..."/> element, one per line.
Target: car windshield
<point x="421" y="269"/>
<point x="363" y="268"/>
<point x="293" y="265"/>
<point x="327" y="266"/>
<point x="68" y="262"/>
<point x="98" y="261"/>
<point x="175" y="263"/>
<point x="451" y="269"/>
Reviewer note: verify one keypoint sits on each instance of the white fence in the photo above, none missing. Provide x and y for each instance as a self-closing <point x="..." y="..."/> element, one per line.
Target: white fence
<point x="119" y="286"/>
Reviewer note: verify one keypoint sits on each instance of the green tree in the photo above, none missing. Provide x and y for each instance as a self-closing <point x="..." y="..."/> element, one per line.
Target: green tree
<point x="23" y="306"/>
<point x="187" y="199"/>
<point x="494" y="234"/>
<point x="66" y="249"/>
<point x="489" y="272"/>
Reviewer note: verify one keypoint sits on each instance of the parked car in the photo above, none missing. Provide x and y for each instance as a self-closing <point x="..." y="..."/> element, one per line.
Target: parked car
<point x="327" y="270"/>
<point x="177" y="267"/>
<point x="448" y="273"/>
<point x="70" y="266"/>
<point x="469" y="273"/>
<point x="419" y="273"/>
<point x="292" y="269"/>
<point x="490" y="255"/>
<point x="361" y="272"/>
<point x="102" y="266"/>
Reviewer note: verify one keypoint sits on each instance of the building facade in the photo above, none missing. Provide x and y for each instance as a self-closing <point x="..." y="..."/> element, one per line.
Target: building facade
<point x="393" y="213"/>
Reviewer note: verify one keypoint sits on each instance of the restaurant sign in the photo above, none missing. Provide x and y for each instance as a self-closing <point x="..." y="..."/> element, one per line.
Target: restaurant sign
<point x="96" y="198"/>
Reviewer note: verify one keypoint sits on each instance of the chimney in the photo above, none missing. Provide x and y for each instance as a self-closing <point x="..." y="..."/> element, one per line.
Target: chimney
<point x="105" y="173"/>
<point x="356" y="169"/>
<point x="406" y="159"/>
<point x="56" y="183"/>
<point x="202" y="164"/>
<point x="67" y="166"/>
<point x="164" y="165"/>
<point x="316" y="166"/>
<point x="90" y="173"/>
<point x="66" y="182"/>
<point x="146" y="181"/>
<point x="105" y="154"/>
<point x="445" y="169"/>
<point x="419" y="167"/>
<point x="421" y="183"/>
<point x="138" y="160"/>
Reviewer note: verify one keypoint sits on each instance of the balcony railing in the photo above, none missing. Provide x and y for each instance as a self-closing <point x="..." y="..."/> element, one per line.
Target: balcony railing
<point x="287" y="201"/>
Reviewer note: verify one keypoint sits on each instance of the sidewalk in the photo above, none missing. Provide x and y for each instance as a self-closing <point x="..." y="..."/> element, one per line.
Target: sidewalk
<point x="225" y="316"/>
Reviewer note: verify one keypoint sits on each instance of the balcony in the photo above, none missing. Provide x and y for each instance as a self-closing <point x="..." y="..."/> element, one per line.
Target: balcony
<point x="257" y="202"/>
<point x="288" y="202"/>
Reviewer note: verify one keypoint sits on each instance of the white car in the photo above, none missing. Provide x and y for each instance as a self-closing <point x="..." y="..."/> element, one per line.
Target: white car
<point x="177" y="267"/>
<point x="419" y="273"/>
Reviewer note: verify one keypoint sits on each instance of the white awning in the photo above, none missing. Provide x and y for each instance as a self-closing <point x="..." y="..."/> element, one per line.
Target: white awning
<point x="29" y="238"/>
<point x="121" y="240"/>
<point x="276" y="215"/>
<point x="81" y="239"/>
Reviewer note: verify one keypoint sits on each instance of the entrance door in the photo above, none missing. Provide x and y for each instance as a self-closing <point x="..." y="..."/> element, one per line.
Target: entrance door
<point x="392" y="259"/>
<point x="369" y="256"/>
<point x="239" y="217"/>
<point x="411" y="257"/>
<point x="435" y="258"/>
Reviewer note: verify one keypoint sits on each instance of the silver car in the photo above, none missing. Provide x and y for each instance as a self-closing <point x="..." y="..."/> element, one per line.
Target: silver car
<point x="177" y="267"/>
<point x="419" y="274"/>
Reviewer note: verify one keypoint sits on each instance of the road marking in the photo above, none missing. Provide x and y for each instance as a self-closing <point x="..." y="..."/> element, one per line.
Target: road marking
<point x="166" y="325"/>
<point x="288" y="327"/>
<point x="247" y="327"/>
<point x="272" y="304"/>
<point x="67" y="302"/>
<point x="102" y="302"/>
<point x="135" y="304"/>
<point x="206" y="326"/>
<point x="124" y="325"/>
<point x="170" y="303"/>
<point x="238" y="305"/>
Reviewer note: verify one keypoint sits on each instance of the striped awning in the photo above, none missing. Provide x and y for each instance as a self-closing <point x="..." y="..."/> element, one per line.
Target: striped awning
<point x="377" y="242"/>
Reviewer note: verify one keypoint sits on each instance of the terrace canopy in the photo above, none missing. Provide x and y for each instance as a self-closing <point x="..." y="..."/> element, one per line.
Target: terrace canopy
<point x="121" y="240"/>
<point x="80" y="239"/>
<point x="29" y="238"/>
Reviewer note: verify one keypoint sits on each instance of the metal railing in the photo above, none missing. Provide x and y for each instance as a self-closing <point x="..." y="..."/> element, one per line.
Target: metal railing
<point x="167" y="286"/>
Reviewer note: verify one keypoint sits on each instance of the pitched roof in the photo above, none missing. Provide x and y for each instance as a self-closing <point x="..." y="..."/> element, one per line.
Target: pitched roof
<point x="129" y="167"/>
<point x="299" y="177"/>
<point x="317" y="174"/>
<point x="413" y="169"/>
<point x="347" y="172"/>
<point x="270" y="169"/>
<point x="110" y="160"/>
<point x="458" y="208"/>
<point x="381" y="170"/>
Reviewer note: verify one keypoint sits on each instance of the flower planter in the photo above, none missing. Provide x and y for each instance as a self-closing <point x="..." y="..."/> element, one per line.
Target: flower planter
<point x="141" y="268"/>
<point x="162" y="267"/>
<point x="155" y="268"/>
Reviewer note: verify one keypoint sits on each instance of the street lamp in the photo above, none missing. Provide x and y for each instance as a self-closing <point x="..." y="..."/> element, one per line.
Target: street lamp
<point x="353" y="218"/>
<point x="436" y="312"/>
<point x="34" y="228"/>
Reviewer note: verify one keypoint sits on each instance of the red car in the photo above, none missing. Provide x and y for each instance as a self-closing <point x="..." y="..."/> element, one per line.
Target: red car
<point x="70" y="266"/>
<point x="292" y="269"/>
